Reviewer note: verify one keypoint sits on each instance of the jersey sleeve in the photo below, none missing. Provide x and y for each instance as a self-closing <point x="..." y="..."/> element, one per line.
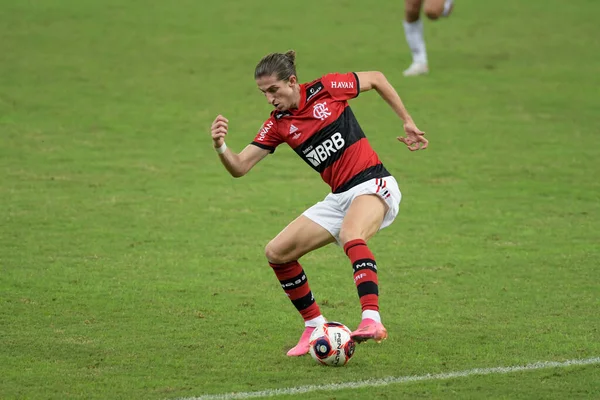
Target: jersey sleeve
<point x="267" y="137"/>
<point x="341" y="86"/>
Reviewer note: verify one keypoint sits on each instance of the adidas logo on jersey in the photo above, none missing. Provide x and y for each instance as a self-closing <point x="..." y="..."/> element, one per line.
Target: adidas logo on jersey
<point x="325" y="149"/>
<point x="294" y="131"/>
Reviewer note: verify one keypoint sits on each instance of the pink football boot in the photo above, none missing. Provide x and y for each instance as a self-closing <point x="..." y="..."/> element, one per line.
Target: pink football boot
<point x="302" y="347"/>
<point x="369" y="329"/>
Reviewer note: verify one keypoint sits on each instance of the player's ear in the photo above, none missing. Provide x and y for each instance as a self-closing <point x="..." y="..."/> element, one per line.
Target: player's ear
<point x="293" y="80"/>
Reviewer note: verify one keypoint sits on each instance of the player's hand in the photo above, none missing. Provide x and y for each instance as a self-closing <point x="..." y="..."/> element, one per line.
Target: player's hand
<point x="218" y="130"/>
<point x="415" y="139"/>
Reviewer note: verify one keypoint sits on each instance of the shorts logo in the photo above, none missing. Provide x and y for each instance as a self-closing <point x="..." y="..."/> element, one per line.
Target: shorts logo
<point x="381" y="188"/>
<point x="325" y="149"/>
<point x="320" y="111"/>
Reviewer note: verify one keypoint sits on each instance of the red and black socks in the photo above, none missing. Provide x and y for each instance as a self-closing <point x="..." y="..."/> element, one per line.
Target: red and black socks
<point x="365" y="277"/>
<point x="295" y="284"/>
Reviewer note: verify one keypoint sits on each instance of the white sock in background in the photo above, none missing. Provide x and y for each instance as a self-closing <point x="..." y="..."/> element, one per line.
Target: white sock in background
<point x="447" y="7"/>
<point x="416" y="41"/>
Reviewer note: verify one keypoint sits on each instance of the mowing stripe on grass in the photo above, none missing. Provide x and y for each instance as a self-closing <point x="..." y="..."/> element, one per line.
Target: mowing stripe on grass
<point x="395" y="380"/>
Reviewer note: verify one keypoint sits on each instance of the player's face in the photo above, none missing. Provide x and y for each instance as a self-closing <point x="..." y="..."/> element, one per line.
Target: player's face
<point x="280" y="94"/>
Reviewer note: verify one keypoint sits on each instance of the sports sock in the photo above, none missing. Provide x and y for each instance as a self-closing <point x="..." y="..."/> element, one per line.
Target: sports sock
<point x="447" y="7"/>
<point x="295" y="284"/>
<point x="365" y="273"/>
<point x="320" y="320"/>
<point x="371" y="314"/>
<point x="416" y="42"/>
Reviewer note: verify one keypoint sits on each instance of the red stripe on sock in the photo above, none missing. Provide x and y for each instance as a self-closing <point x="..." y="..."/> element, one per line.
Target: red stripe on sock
<point x="357" y="249"/>
<point x="298" y="292"/>
<point x="311" y="312"/>
<point x="364" y="275"/>
<point x="370" y="302"/>
<point x="286" y="271"/>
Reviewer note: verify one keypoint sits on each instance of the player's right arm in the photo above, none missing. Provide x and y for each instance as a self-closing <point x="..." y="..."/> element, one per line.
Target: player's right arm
<point x="238" y="164"/>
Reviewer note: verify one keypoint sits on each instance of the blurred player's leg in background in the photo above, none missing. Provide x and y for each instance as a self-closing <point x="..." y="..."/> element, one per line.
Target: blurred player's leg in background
<point x="448" y="6"/>
<point x="413" y="30"/>
<point x="435" y="9"/>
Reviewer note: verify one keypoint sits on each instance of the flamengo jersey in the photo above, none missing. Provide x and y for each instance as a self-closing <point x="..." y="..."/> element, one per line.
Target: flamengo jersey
<point x="325" y="134"/>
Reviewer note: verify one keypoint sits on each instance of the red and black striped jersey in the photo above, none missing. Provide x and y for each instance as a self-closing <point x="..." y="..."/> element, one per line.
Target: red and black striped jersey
<point x="324" y="132"/>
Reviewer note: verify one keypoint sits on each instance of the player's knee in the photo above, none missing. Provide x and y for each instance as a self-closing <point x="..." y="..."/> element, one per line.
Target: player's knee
<point x="275" y="253"/>
<point x="411" y="15"/>
<point x="433" y="13"/>
<point x="412" y="9"/>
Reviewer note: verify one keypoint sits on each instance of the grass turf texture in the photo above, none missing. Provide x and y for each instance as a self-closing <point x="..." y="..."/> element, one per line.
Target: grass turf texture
<point x="131" y="264"/>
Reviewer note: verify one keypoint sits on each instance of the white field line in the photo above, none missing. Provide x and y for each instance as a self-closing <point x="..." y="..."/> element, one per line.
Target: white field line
<point x="395" y="380"/>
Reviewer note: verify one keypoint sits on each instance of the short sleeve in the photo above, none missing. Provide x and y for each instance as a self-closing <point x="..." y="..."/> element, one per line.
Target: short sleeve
<point x="341" y="86"/>
<point x="267" y="137"/>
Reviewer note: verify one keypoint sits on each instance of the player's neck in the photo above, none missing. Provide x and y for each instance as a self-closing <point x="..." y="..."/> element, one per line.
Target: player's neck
<point x="297" y="98"/>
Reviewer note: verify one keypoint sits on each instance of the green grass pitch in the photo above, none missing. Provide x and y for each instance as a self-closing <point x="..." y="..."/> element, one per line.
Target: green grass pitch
<point x="132" y="265"/>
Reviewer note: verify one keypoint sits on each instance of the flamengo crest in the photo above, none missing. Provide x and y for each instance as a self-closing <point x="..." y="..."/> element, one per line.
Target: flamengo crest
<point x="320" y="111"/>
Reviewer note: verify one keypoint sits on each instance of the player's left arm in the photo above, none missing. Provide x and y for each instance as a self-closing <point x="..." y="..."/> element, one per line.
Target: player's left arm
<point x="376" y="80"/>
<point x="414" y="139"/>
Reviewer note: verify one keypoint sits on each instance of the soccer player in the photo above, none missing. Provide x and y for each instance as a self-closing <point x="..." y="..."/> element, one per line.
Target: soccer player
<point x="316" y="121"/>
<point x="413" y="30"/>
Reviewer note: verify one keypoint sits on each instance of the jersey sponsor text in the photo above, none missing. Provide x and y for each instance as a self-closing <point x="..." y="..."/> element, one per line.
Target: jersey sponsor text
<point x="342" y="85"/>
<point x="322" y="151"/>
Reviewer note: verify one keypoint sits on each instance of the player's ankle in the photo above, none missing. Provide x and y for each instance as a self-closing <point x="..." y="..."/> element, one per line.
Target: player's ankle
<point x="313" y="323"/>
<point x="371" y="314"/>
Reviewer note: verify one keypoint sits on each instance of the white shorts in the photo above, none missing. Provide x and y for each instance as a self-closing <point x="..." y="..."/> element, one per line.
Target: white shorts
<point x="330" y="212"/>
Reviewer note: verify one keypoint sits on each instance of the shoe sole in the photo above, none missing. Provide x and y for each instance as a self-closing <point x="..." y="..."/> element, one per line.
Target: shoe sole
<point x="378" y="337"/>
<point x="415" y="73"/>
<point x="296" y="355"/>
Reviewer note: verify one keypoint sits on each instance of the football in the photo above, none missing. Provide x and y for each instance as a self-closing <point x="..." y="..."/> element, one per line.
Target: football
<point x="331" y="344"/>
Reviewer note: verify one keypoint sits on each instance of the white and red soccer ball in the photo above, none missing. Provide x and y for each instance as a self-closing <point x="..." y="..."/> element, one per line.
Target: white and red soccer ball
<point x="331" y="344"/>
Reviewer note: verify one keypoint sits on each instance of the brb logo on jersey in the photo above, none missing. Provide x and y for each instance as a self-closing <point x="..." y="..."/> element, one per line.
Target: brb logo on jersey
<point x="320" y="111"/>
<point x="322" y="152"/>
